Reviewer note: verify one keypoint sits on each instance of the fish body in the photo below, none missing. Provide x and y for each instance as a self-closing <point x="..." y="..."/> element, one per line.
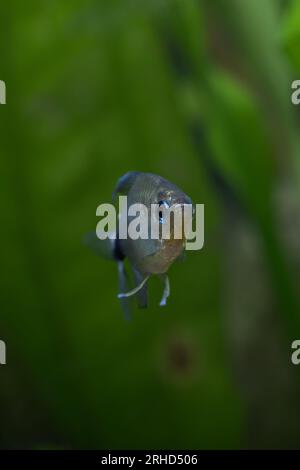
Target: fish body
<point x="146" y="256"/>
<point x="151" y="256"/>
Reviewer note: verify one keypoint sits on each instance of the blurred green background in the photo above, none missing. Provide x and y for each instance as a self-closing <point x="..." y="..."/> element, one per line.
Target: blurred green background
<point x="200" y="93"/>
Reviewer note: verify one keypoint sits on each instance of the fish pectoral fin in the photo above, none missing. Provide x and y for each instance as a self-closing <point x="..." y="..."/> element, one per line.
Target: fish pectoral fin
<point x="166" y="292"/>
<point x="104" y="248"/>
<point x="149" y="248"/>
<point x="134" y="291"/>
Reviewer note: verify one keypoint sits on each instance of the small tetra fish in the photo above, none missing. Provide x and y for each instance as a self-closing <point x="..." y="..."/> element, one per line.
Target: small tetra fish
<point x="146" y="256"/>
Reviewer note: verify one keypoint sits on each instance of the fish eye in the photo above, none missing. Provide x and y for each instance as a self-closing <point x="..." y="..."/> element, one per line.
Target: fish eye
<point x="160" y="214"/>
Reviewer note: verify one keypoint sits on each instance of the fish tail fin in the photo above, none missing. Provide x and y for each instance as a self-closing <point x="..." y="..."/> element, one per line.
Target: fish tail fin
<point x="123" y="287"/>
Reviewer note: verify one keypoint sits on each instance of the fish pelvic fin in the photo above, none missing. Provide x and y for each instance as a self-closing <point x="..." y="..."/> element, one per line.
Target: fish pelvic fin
<point x="134" y="291"/>
<point x="166" y="292"/>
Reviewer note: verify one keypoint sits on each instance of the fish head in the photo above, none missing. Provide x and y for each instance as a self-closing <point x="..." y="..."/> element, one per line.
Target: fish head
<point x="170" y="205"/>
<point x="172" y="209"/>
<point x="155" y="254"/>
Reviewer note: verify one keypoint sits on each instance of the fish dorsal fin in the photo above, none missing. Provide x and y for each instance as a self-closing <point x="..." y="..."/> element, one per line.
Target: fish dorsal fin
<point x="125" y="183"/>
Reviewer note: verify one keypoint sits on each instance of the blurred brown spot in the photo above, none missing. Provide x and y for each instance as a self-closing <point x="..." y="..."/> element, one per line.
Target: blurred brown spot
<point x="180" y="358"/>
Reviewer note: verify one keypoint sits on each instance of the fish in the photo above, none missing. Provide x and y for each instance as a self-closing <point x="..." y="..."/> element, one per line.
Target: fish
<point x="146" y="257"/>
